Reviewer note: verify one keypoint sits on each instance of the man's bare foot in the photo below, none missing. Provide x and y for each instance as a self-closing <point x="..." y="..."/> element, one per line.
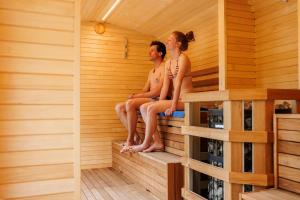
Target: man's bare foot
<point x="137" y="148"/>
<point x="156" y="146"/>
<point x="126" y="149"/>
<point x="127" y="144"/>
<point x="137" y="140"/>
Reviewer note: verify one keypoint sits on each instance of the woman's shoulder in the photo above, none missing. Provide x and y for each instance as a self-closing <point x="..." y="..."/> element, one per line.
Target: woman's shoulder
<point x="184" y="58"/>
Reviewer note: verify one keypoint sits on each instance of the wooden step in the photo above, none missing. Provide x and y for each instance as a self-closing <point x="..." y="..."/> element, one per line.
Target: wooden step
<point x="158" y="172"/>
<point x="272" y="194"/>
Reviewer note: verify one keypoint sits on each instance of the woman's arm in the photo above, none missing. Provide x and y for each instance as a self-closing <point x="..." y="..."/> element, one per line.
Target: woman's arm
<point x="166" y="84"/>
<point x="183" y="65"/>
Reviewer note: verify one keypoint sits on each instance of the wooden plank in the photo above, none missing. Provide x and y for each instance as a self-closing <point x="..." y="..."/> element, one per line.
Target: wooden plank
<point x="35" y="173"/>
<point x="52" y="7"/>
<point x="298" y="14"/>
<point x="208" y="169"/>
<point x="20" y="190"/>
<point x="251" y="179"/>
<point x="61" y="196"/>
<point x="289" y="185"/>
<point x="289" y="160"/>
<point x="274" y="194"/>
<point x="218" y="134"/>
<point x="288" y="147"/>
<point x="31" y="143"/>
<point x="29" y="158"/>
<point x="288" y="135"/>
<point x="188" y="195"/>
<point x="289" y="124"/>
<point x="29" y="20"/>
<point x="222" y="44"/>
<point x="289" y="173"/>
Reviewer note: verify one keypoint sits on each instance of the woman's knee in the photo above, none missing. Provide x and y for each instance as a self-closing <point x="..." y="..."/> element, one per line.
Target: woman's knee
<point x="143" y="109"/>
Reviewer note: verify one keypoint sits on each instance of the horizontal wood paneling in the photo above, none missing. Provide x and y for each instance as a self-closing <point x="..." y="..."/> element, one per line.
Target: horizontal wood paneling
<point x="276" y="44"/>
<point x="106" y="79"/>
<point x="240" y="31"/>
<point x="37" y="134"/>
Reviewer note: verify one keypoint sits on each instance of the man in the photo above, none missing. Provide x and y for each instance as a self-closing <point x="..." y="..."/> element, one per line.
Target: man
<point x="127" y="111"/>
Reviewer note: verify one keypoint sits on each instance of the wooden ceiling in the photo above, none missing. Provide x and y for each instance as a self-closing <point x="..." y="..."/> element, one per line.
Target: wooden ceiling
<point x="157" y="18"/>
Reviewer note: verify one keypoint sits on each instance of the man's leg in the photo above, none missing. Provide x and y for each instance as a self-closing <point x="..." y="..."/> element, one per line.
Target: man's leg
<point x="121" y="112"/>
<point x="132" y="106"/>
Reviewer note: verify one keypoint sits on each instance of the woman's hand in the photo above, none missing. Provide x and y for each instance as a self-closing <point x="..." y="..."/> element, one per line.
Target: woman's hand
<point x="170" y="110"/>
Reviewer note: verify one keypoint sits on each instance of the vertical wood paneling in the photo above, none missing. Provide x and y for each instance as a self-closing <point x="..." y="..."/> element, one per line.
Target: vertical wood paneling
<point x="240" y="32"/>
<point x="37" y="135"/>
<point x="276" y="44"/>
<point x="106" y="79"/>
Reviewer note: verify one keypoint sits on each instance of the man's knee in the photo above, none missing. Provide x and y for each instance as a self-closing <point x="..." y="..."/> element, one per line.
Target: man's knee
<point x="120" y="108"/>
<point x="130" y="105"/>
<point x="151" y="110"/>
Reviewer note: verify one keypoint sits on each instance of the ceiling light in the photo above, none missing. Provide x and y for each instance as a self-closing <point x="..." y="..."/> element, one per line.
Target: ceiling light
<point x="117" y="2"/>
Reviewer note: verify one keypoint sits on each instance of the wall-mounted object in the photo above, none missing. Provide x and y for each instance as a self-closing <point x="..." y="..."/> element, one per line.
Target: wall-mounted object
<point x="126" y="48"/>
<point x="99" y="28"/>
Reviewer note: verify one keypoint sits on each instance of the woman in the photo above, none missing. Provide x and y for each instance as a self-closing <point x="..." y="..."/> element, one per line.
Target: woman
<point x="178" y="75"/>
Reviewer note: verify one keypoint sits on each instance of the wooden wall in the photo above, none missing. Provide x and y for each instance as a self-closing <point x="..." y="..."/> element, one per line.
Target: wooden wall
<point x="240" y="37"/>
<point x="39" y="142"/>
<point x="276" y="43"/>
<point x="107" y="78"/>
<point x="203" y="52"/>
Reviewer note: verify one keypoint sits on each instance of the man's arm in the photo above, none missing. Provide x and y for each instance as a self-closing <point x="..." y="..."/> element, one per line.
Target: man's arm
<point x="154" y="92"/>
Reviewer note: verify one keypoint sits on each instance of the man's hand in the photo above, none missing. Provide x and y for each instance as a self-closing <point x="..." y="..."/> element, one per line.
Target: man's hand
<point x="131" y="96"/>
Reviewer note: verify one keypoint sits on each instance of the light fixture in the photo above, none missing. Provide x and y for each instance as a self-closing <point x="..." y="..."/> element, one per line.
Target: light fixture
<point x="99" y="28"/>
<point x="117" y="2"/>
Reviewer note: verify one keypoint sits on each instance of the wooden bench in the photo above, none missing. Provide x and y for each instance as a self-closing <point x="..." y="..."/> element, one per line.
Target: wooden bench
<point x="286" y="161"/>
<point x="161" y="173"/>
<point x="158" y="172"/>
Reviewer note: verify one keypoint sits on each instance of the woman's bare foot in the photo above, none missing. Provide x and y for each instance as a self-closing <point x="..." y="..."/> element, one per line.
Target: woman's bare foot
<point x="156" y="146"/>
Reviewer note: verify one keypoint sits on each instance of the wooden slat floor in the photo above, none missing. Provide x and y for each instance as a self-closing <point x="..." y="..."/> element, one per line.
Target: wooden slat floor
<point x="107" y="184"/>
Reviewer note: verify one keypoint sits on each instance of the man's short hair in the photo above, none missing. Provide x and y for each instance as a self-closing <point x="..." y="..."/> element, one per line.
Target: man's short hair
<point x="160" y="47"/>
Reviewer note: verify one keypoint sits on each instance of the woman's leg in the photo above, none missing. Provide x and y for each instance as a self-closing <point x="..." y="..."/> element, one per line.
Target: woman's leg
<point x="144" y="109"/>
<point x="151" y="124"/>
<point x="158" y="144"/>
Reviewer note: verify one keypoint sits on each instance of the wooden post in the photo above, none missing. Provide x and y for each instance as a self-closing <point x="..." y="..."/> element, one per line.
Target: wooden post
<point x="233" y="120"/>
<point x="187" y="122"/>
<point x="262" y="153"/>
<point x="298" y="12"/>
<point x="222" y="44"/>
<point x="76" y="100"/>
